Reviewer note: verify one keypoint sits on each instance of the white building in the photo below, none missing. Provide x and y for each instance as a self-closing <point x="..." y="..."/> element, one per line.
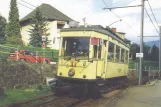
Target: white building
<point x="56" y="19"/>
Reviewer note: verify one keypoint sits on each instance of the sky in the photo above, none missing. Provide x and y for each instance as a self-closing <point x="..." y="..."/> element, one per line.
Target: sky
<point x="95" y="15"/>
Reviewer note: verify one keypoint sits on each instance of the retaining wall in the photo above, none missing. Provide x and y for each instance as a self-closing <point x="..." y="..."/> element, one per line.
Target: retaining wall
<point x="18" y="74"/>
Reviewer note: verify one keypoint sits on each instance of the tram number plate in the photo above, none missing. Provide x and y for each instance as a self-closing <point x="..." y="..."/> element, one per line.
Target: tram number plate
<point x="139" y="55"/>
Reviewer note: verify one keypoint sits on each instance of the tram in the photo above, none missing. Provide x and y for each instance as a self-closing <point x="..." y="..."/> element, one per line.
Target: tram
<point x="91" y="56"/>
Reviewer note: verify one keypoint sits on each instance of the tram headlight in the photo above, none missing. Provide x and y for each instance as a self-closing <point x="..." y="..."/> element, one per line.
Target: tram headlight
<point x="71" y="72"/>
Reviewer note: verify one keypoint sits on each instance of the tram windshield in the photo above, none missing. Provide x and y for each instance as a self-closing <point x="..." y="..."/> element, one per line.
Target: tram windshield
<point x="75" y="46"/>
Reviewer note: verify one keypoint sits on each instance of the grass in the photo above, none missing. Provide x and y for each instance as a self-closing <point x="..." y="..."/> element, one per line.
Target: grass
<point x="16" y="95"/>
<point x="152" y="64"/>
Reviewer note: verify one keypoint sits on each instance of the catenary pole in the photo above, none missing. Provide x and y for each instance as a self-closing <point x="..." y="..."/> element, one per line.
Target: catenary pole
<point x="141" y="40"/>
<point x="160" y="51"/>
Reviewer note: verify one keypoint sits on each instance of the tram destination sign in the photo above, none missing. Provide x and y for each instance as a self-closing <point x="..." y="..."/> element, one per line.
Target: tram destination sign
<point x="140" y="55"/>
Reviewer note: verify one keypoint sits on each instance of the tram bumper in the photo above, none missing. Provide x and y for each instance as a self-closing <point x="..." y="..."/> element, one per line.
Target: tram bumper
<point x="52" y="83"/>
<point x="58" y="87"/>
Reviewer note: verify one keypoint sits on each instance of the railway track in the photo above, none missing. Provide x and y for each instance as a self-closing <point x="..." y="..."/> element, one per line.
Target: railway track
<point x="51" y="100"/>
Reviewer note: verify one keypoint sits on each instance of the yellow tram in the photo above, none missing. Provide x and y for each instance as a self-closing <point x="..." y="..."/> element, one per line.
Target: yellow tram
<point x="92" y="54"/>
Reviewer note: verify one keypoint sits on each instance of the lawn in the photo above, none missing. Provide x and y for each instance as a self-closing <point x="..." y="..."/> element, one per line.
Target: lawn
<point x="16" y="95"/>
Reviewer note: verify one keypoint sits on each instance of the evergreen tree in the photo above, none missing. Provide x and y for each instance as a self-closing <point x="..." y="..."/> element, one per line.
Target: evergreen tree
<point x="13" y="27"/>
<point x="146" y="51"/>
<point x="134" y="48"/>
<point x="39" y="25"/>
<point x="154" y="53"/>
<point x="2" y="29"/>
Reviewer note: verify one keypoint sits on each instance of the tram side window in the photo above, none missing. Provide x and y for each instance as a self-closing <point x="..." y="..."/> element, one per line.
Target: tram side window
<point x="99" y="52"/>
<point x="122" y="55"/>
<point x="117" y="53"/>
<point x="63" y="48"/>
<point x="126" y="57"/>
<point x="111" y="51"/>
<point x="95" y="51"/>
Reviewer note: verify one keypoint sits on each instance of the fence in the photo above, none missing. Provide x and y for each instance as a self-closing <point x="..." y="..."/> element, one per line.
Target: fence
<point x="150" y="69"/>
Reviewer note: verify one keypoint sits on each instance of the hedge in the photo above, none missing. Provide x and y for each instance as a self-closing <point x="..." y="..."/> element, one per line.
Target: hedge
<point x="50" y="53"/>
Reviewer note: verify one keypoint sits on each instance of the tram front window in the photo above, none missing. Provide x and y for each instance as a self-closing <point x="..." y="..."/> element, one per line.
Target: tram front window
<point x="75" y="46"/>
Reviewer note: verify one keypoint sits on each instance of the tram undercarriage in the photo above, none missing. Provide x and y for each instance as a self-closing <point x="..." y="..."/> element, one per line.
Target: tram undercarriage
<point x="85" y="88"/>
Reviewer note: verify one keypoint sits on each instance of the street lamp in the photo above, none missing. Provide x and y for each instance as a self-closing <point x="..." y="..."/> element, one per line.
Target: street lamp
<point x="114" y="22"/>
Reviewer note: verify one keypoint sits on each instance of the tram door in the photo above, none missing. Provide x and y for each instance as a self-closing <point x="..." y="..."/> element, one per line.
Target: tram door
<point x="101" y="54"/>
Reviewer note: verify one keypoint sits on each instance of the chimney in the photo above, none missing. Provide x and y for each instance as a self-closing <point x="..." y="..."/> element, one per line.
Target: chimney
<point x="114" y="29"/>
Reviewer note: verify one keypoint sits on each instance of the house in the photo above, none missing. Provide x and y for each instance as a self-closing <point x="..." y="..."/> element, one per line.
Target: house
<point x="120" y="34"/>
<point x="56" y="21"/>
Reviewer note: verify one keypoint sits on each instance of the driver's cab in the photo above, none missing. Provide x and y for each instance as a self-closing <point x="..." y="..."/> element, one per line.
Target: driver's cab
<point x="78" y="55"/>
<point x="75" y="47"/>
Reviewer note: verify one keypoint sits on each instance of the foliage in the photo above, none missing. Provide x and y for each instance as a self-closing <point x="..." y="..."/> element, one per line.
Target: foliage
<point x="50" y="53"/>
<point x="154" y="53"/>
<point x="153" y="64"/>
<point x="146" y="51"/>
<point x="14" y="40"/>
<point x="134" y="48"/>
<point x="2" y="29"/>
<point x="151" y="54"/>
<point x="39" y="25"/>
<point x="16" y="95"/>
<point x="13" y="27"/>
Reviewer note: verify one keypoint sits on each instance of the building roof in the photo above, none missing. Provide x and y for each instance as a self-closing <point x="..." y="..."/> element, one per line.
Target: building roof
<point x="97" y="28"/>
<point x="120" y="32"/>
<point x="48" y="12"/>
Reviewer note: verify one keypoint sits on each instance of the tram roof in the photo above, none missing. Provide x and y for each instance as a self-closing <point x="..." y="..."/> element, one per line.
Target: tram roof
<point x="97" y="28"/>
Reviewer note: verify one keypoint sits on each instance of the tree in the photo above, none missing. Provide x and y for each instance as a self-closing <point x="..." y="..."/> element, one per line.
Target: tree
<point x="134" y="48"/>
<point x="154" y="53"/>
<point x="39" y="25"/>
<point x="2" y="29"/>
<point x="13" y="27"/>
<point x="146" y="51"/>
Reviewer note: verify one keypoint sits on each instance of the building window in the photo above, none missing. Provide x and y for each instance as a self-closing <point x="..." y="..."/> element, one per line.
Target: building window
<point x="111" y="51"/>
<point x="126" y="56"/>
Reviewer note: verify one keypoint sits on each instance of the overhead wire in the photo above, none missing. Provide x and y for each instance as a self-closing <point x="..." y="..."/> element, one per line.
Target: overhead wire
<point x="25" y="6"/>
<point x="28" y="3"/>
<point x="117" y="2"/>
<point x="152" y="12"/>
<point x="114" y="3"/>
<point x="151" y="20"/>
<point x="120" y="18"/>
<point x="110" y="11"/>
